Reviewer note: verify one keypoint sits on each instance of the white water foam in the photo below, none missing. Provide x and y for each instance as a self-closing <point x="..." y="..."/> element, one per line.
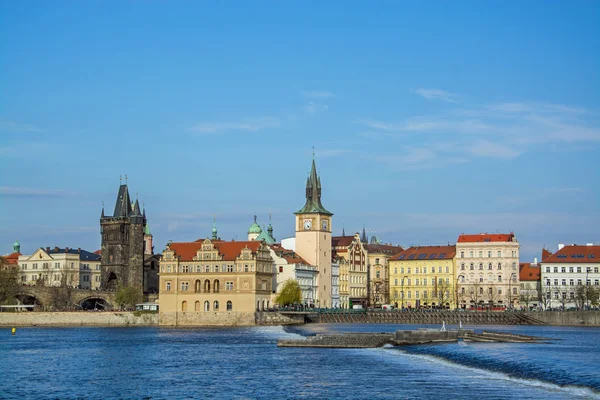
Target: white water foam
<point x="276" y="332"/>
<point x="570" y="391"/>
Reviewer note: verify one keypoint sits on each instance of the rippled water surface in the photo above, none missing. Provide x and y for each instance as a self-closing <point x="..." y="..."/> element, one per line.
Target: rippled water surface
<point x="157" y="363"/>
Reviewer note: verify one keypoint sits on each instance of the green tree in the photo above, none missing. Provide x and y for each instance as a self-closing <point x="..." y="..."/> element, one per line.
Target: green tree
<point x="9" y="282"/>
<point x="290" y="293"/>
<point x="127" y="297"/>
<point x="594" y="295"/>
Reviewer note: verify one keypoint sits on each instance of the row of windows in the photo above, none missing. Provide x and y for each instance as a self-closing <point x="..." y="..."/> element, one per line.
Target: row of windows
<point x="572" y="282"/>
<point x="55" y="277"/>
<point x="199" y="287"/>
<point x="571" y="269"/>
<point x="513" y="253"/>
<point x="57" y="265"/>
<point x="461" y="278"/>
<point x="423" y="281"/>
<point x="208" y="269"/>
<point x="197" y="305"/>
<point x="421" y="270"/>
<point x="489" y="266"/>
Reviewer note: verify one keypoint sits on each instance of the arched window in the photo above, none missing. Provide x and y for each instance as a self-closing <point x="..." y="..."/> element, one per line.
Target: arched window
<point x="471" y="266"/>
<point x="481" y="290"/>
<point x="206" y="306"/>
<point x="462" y="266"/>
<point x="490" y="266"/>
<point x="499" y="266"/>
<point x="184" y="306"/>
<point x="207" y="286"/>
<point x="207" y="269"/>
<point x="216" y="286"/>
<point x="197" y="306"/>
<point x="197" y="286"/>
<point x="480" y="265"/>
<point x="229" y="305"/>
<point x="258" y="305"/>
<point x="216" y="306"/>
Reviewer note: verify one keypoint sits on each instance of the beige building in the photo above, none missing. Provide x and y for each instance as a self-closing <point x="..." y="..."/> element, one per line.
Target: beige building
<point x="289" y="265"/>
<point x="212" y="282"/>
<point x="423" y="276"/>
<point x="57" y="267"/>
<point x="487" y="270"/>
<point x="352" y="258"/>
<point x="378" y="271"/>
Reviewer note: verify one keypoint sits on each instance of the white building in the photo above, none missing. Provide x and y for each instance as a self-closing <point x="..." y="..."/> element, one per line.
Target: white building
<point x="335" y="284"/>
<point x="487" y="268"/>
<point x="59" y="267"/>
<point x="563" y="272"/>
<point x="289" y="265"/>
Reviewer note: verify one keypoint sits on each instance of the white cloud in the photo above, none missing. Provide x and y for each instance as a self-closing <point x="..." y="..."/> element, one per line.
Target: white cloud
<point x="483" y="148"/>
<point x="250" y="124"/>
<point x="12" y="126"/>
<point x="20" y="191"/>
<point x="314" y="108"/>
<point x="436" y="94"/>
<point x="318" y="93"/>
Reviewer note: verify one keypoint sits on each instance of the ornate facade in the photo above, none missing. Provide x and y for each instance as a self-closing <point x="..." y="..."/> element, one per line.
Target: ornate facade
<point x="353" y="278"/>
<point x="378" y="271"/>
<point x="487" y="270"/>
<point x="207" y="277"/>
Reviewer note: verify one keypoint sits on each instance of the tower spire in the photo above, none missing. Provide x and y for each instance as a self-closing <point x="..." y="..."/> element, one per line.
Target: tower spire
<point x="313" y="194"/>
<point x="214" y="229"/>
<point x="364" y="236"/>
<point x="343" y="229"/>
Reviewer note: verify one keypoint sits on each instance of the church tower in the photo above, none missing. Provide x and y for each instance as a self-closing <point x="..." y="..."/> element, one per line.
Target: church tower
<point x="313" y="235"/>
<point x="123" y="241"/>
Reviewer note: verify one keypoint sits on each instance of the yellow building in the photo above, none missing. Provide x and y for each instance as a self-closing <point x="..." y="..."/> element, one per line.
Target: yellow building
<point x="212" y="282"/>
<point x="423" y="277"/>
<point x="378" y="256"/>
<point x="352" y="257"/>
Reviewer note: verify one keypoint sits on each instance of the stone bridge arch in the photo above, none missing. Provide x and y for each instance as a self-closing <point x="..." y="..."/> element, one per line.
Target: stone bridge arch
<point x="42" y="297"/>
<point x="96" y="302"/>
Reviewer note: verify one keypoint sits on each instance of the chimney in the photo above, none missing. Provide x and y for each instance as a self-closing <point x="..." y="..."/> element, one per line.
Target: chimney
<point x="79" y="250"/>
<point x="56" y="248"/>
<point x="47" y="249"/>
<point x="535" y="260"/>
<point x="66" y="249"/>
<point x="560" y="246"/>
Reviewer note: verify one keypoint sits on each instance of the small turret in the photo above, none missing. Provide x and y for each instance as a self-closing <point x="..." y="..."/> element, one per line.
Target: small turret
<point x="16" y="247"/>
<point x="214" y="229"/>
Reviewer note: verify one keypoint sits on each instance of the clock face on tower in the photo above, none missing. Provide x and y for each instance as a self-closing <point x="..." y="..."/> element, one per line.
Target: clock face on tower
<point x="307" y="224"/>
<point x="324" y="224"/>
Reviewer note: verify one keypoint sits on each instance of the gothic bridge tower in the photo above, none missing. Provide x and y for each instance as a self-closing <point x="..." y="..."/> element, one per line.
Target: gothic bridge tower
<point x="123" y="243"/>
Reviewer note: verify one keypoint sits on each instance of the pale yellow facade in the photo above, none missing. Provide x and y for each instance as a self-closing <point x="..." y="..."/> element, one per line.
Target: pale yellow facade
<point x="352" y="258"/>
<point x="60" y="267"/>
<point x="423" y="277"/>
<point x="208" y="277"/>
<point x="378" y="256"/>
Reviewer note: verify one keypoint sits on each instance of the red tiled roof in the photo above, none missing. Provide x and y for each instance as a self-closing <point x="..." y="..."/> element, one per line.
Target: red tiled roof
<point x="290" y="256"/>
<point x="528" y="273"/>
<point x="98" y="252"/>
<point x="425" y="252"/>
<point x="12" y="258"/>
<point x="486" y="237"/>
<point x="545" y="254"/>
<point x="229" y="250"/>
<point x="337" y="241"/>
<point x="575" y="254"/>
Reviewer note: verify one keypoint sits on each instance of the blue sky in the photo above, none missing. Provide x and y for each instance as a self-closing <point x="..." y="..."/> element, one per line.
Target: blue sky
<point x="428" y="119"/>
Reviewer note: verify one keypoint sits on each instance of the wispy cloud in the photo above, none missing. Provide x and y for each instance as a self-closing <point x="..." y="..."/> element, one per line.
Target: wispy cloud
<point x="13" y="126"/>
<point x="437" y="94"/>
<point x="497" y="130"/>
<point x="32" y="192"/>
<point x="314" y="108"/>
<point x="332" y="153"/>
<point x="249" y="124"/>
<point x="318" y="93"/>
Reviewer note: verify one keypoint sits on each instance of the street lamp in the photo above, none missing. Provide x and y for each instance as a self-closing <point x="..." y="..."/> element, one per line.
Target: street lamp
<point x="402" y="291"/>
<point x="510" y="290"/>
<point x="456" y="291"/>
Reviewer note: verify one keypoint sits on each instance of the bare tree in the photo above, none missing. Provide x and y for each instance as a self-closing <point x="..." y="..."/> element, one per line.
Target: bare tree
<point x="61" y="296"/>
<point x="527" y="296"/>
<point x="444" y="292"/>
<point x="476" y="293"/>
<point x="9" y="282"/>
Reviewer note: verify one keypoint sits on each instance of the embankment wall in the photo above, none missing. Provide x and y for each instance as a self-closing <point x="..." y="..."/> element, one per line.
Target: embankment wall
<point x="105" y="318"/>
<point x="568" y="318"/>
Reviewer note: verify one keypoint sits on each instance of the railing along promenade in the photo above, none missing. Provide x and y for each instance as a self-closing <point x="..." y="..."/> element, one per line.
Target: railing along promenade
<point x="434" y="317"/>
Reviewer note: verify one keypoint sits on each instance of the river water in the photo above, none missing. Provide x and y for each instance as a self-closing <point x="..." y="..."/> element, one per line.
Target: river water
<point x="166" y="363"/>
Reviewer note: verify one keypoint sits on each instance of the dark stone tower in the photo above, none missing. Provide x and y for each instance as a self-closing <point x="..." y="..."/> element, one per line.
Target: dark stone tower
<point x="123" y="243"/>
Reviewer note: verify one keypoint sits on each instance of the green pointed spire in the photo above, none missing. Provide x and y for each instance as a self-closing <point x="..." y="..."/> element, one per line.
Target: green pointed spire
<point x="313" y="194"/>
<point x="147" y="230"/>
<point x="214" y="229"/>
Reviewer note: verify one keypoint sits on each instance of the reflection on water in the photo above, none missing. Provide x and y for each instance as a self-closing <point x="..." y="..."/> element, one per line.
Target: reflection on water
<point x="245" y="363"/>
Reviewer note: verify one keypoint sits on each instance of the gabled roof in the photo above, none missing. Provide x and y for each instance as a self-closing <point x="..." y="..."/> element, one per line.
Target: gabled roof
<point x="486" y="237"/>
<point x="527" y="272"/>
<point x="426" y="253"/>
<point x="228" y="250"/>
<point x="575" y="254"/>
<point x="383" y="248"/>
<point x="545" y="254"/>
<point x="338" y="241"/>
